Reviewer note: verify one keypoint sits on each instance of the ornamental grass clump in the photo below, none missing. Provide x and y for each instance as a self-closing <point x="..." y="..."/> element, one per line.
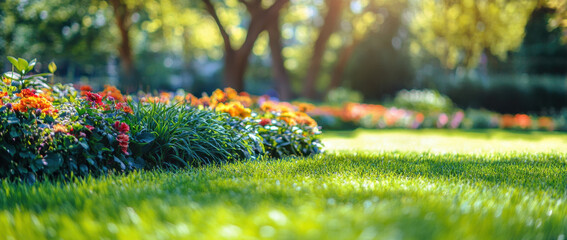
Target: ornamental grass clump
<point x="181" y="136"/>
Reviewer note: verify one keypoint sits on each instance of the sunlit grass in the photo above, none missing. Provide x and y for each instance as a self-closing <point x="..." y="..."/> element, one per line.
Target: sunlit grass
<point x="444" y="141"/>
<point x="387" y="194"/>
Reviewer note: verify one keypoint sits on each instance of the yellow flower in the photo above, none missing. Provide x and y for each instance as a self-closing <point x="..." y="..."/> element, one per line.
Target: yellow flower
<point x="234" y="109"/>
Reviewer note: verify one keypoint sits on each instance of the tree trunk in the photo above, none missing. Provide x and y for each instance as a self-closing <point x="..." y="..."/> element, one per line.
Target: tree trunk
<point x="122" y="16"/>
<point x="236" y="61"/>
<point x="279" y="72"/>
<point x="329" y="26"/>
<point x="338" y="72"/>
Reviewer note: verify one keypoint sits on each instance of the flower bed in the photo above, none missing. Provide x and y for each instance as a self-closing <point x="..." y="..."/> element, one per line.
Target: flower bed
<point x="353" y="115"/>
<point x="56" y="130"/>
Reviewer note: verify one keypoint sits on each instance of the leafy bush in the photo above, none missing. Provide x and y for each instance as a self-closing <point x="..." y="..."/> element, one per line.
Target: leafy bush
<point x="49" y="131"/>
<point x="281" y="139"/>
<point x="343" y="95"/>
<point x="425" y="100"/>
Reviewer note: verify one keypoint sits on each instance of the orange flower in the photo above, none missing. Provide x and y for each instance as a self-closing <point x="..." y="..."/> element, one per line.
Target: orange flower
<point x="3" y="95"/>
<point x="218" y="96"/>
<point x="26" y="93"/>
<point x="507" y="121"/>
<point x="60" y="128"/>
<point x="282" y="107"/>
<point x="305" y="107"/>
<point x="86" y="88"/>
<point x="111" y="91"/>
<point x="206" y="101"/>
<point x="34" y="102"/>
<point x="234" y="109"/>
<point x="164" y="97"/>
<point x="192" y="100"/>
<point x="47" y="94"/>
<point x="289" y="118"/>
<point x="545" y="123"/>
<point x="230" y="93"/>
<point x="419" y="117"/>
<point x="304" y="119"/>
<point x="523" y="121"/>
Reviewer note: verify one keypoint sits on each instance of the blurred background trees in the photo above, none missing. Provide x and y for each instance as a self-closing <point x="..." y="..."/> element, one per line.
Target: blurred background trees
<point x="507" y="56"/>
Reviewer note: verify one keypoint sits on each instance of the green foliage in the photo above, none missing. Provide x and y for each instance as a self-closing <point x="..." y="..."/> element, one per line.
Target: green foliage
<point x="180" y="136"/>
<point x="342" y="95"/>
<point x="458" y="32"/>
<point x="425" y="100"/>
<point x="282" y="140"/>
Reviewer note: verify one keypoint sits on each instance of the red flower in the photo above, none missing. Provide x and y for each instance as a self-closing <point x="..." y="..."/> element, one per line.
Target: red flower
<point x="124" y="107"/>
<point x="89" y="127"/>
<point x="94" y="98"/>
<point x="86" y="88"/>
<point x="121" y="127"/>
<point x="265" y="121"/>
<point x="25" y="93"/>
<point x="123" y="142"/>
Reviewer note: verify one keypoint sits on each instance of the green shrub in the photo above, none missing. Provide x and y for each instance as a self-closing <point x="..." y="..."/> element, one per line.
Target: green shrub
<point x="425" y="100"/>
<point x="281" y="140"/>
<point x="342" y="95"/>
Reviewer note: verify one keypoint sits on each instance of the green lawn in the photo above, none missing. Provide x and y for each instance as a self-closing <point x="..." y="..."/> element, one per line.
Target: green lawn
<point x="428" y="184"/>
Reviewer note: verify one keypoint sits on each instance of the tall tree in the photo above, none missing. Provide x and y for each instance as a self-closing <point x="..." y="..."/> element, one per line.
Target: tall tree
<point x="458" y="32"/>
<point x="363" y="18"/>
<point x="236" y="59"/>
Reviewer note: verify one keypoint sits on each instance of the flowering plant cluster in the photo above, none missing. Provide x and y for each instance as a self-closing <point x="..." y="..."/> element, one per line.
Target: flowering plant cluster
<point x="51" y="130"/>
<point x="352" y="115"/>
<point x="284" y="128"/>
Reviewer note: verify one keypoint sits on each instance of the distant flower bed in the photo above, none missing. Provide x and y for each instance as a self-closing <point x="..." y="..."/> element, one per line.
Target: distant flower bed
<point x="352" y="115"/>
<point x="54" y="130"/>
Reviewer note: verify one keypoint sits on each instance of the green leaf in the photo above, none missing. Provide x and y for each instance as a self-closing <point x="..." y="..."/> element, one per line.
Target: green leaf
<point x="13" y="120"/>
<point x="31" y="65"/>
<point x="22" y="65"/>
<point x="84" y="145"/>
<point x="145" y="137"/>
<point x="13" y="60"/>
<point x="122" y="165"/>
<point x="54" y="161"/>
<point x="12" y="75"/>
<point x="10" y="149"/>
<point x="52" y="67"/>
<point x="38" y="75"/>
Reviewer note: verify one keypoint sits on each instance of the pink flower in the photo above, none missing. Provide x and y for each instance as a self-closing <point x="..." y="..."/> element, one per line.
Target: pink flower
<point x="442" y="121"/>
<point x="265" y="121"/>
